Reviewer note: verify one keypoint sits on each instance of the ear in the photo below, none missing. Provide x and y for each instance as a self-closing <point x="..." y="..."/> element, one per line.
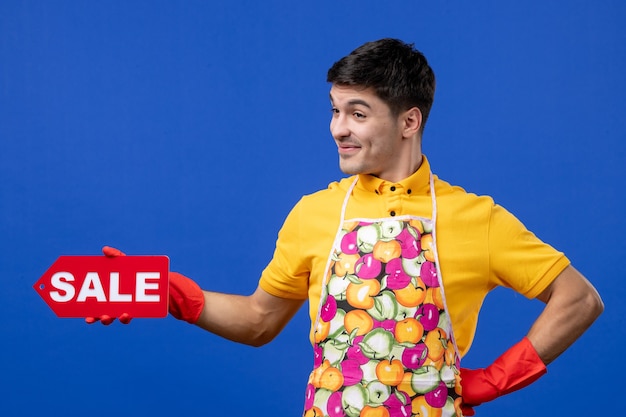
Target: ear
<point x="412" y="121"/>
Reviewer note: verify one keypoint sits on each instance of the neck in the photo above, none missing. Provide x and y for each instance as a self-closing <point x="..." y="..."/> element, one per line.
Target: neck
<point x="409" y="165"/>
<point x="413" y="151"/>
<point x="416" y="162"/>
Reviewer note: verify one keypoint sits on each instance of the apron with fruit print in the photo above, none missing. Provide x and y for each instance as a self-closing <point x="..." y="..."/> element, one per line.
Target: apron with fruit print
<point x="383" y="338"/>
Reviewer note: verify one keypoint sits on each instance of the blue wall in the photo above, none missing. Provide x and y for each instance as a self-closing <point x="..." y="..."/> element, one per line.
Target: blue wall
<point x="185" y="128"/>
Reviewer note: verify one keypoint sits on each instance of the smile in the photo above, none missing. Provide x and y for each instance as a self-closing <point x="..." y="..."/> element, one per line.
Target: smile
<point x="348" y="148"/>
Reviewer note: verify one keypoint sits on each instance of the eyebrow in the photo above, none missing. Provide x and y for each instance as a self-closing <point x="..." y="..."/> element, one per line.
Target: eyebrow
<point x="354" y="102"/>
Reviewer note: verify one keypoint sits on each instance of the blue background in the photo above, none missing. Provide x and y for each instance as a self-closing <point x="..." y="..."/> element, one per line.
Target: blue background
<point x="191" y="128"/>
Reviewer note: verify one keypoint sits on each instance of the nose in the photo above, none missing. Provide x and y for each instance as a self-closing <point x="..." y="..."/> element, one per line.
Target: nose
<point x="339" y="127"/>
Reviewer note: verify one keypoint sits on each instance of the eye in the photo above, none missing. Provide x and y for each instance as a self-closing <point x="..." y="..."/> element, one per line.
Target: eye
<point x="359" y="115"/>
<point x="334" y="110"/>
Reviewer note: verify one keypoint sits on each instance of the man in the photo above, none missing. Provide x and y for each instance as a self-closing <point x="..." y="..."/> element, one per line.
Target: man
<point x="395" y="264"/>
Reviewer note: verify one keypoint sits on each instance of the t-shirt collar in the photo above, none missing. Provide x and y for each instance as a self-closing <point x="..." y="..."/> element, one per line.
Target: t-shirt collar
<point x="417" y="183"/>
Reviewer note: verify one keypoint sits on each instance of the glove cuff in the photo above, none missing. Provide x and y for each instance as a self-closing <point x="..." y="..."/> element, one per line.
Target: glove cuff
<point x="517" y="368"/>
<point x="186" y="299"/>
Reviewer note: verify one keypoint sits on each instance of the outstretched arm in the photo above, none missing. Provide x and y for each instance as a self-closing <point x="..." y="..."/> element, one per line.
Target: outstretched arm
<point x="253" y="320"/>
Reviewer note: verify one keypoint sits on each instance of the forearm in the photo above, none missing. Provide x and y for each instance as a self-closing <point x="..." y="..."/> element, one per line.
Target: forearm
<point x="228" y="316"/>
<point x="572" y="305"/>
<point x="253" y="320"/>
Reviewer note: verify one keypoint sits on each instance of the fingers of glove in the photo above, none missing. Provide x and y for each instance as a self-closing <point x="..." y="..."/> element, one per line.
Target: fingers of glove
<point x="125" y="318"/>
<point x="106" y="320"/>
<point x="112" y="252"/>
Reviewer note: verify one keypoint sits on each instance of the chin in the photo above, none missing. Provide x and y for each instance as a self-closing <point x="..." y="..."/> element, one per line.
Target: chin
<point x="350" y="169"/>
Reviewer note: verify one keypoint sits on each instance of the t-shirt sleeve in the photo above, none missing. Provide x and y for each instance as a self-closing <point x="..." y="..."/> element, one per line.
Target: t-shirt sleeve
<point x="519" y="259"/>
<point x="287" y="274"/>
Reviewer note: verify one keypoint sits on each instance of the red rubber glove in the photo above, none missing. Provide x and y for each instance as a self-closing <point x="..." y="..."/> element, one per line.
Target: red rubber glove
<point x="517" y="368"/>
<point x="186" y="299"/>
<point x="467" y="411"/>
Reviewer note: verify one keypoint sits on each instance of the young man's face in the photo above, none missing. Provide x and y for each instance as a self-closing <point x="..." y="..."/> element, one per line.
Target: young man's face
<point x="369" y="137"/>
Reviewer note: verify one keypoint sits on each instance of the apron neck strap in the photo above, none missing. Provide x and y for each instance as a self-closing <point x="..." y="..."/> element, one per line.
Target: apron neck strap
<point x="434" y="200"/>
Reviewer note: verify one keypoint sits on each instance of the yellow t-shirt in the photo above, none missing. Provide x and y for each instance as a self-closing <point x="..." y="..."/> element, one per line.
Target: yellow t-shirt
<point x="480" y="244"/>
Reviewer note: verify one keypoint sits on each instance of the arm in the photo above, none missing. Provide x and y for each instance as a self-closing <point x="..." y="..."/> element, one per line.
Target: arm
<point x="572" y="305"/>
<point x="254" y="320"/>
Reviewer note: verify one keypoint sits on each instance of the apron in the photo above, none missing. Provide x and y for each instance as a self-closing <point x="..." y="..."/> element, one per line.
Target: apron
<point x="383" y="342"/>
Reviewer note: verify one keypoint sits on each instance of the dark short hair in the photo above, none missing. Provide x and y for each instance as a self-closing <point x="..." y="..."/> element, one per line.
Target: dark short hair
<point x="398" y="73"/>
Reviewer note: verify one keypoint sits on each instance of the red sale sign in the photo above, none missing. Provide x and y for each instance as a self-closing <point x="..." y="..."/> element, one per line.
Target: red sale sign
<point x="92" y="286"/>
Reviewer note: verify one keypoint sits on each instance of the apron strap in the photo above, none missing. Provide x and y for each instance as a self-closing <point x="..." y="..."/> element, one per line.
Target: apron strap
<point x="336" y="244"/>
<point x="437" y="263"/>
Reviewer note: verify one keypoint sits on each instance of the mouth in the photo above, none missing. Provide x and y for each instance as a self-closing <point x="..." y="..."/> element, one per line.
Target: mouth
<point x="348" y="148"/>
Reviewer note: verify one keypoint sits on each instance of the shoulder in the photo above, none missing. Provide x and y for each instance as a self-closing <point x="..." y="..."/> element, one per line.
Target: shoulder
<point x="315" y="209"/>
<point x="330" y="196"/>
<point x="457" y="199"/>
